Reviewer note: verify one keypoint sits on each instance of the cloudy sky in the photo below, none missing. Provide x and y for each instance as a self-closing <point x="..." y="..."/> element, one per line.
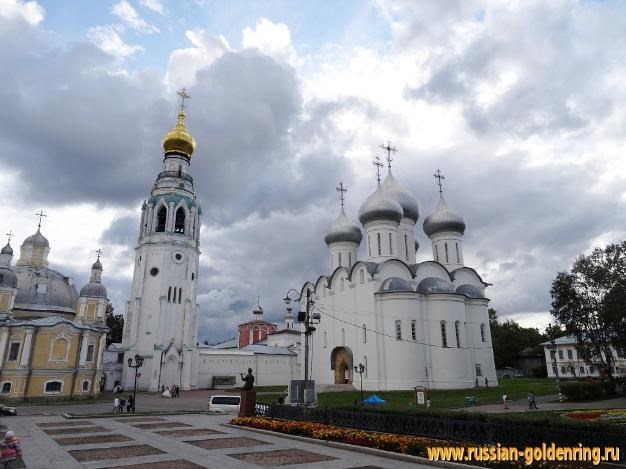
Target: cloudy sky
<point x="519" y="103"/>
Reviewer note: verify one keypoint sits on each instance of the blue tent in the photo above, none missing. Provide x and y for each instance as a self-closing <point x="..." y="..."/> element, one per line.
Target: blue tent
<point x="373" y="399"/>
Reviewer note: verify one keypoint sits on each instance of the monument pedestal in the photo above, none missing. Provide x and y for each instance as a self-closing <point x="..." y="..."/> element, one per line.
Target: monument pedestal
<point x="248" y="402"/>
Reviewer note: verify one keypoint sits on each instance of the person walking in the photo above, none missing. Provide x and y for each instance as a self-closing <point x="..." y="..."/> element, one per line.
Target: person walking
<point x="532" y="404"/>
<point x="131" y="403"/>
<point x="11" y="450"/>
<point x="122" y="404"/>
<point x="116" y="405"/>
<point x="505" y="401"/>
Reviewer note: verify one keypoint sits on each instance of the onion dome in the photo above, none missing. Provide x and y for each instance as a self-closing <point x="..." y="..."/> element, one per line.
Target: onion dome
<point x="257" y="310"/>
<point x="443" y="218"/>
<point x="408" y="202"/>
<point x="7" y="250"/>
<point x="434" y="285"/>
<point x="343" y="229"/>
<point x="94" y="289"/>
<point x="97" y="265"/>
<point x="470" y="291"/>
<point x="179" y="140"/>
<point x="37" y="240"/>
<point x="395" y="284"/>
<point x="380" y="206"/>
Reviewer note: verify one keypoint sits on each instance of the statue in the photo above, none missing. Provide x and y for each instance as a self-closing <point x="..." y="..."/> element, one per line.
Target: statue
<point x="248" y="380"/>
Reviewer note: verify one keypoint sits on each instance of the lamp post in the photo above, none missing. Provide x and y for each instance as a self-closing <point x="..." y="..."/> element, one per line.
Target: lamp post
<point x="360" y="370"/>
<point x="136" y="365"/>
<point x="305" y="317"/>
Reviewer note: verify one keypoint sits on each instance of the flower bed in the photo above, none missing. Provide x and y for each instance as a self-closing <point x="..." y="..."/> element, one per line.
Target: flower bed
<point x="617" y="416"/>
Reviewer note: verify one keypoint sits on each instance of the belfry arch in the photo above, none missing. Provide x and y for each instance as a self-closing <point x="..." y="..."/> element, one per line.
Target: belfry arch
<point x="341" y="364"/>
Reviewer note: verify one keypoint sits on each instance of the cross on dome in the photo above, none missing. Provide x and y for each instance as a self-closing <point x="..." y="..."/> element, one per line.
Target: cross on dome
<point x="10" y="235"/>
<point x="40" y="215"/>
<point x="389" y="149"/>
<point x="439" y="176"/>
<point x="378" y="165"/>
<point x="342" y="192"/>
<point x="99" y="252"/>
<point x="183" y="95"/>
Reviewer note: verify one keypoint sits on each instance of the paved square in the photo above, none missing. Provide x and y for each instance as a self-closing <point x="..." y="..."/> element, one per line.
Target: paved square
<point x="88" y="440"/>
<point x="175" y="464"/>
<point x="281" y="457"/>
<point x="66" y="423"/>
<point x="189" y="432"/>
<point x="141" y="419"/>
<point x="217" y="443"/>
<point x="149" y="426"/>
<point x="72" y="430"/>
<point x="119" y="452"/>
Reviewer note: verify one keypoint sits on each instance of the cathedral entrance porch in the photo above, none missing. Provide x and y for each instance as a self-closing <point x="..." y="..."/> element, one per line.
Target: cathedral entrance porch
<point x="341" y="363"/>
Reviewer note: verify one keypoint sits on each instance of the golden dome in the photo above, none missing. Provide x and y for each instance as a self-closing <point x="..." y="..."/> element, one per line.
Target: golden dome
<point x="179" y="140"/>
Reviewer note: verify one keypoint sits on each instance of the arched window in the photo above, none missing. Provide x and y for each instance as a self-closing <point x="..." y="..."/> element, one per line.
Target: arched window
<point x="369" y="245"/>
<point x="362" y="277"/>
<point x="339" y="259"/>
<point x="180" y="170"/>
<point x="86" y="385"/>
<point x="379" y="246"/>
<point x="364" y="333"/>
<point x="458" y="260"/>
<point x="398" y="329"/>
<point x="483" y="333"/>
<point x="444" y="337"/>
<point x="390" y="245"/>
<point x="436" y="253"/>
<point x="414" y="329"/>
<point x="406" y="248"/>
<point x="161" y="219"/>
<point x="445" y="245"/>
<point x="6" y="387"/>
<point x="458" y="334"/>
<point x="53" y="387"/>
<point x="349" y="259"/>
<point x="179" y="225"/>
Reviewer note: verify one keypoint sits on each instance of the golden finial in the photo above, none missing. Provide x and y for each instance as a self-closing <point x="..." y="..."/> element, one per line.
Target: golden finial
<point x="179" y="140"/>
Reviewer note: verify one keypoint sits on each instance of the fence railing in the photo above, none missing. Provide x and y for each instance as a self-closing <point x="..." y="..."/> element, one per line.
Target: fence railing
<point x="510" y="434"/>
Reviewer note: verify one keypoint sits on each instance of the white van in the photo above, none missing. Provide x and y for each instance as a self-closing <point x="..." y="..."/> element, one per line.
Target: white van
<point x="224" y="404"/>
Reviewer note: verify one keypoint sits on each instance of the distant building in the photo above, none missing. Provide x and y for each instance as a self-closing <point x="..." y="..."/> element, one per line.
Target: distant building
<point x="564" y="361"/>
<point x="51" y="337"/>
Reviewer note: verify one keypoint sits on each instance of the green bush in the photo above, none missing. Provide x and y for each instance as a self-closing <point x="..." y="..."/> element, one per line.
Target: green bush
<point x="582" y="391"/>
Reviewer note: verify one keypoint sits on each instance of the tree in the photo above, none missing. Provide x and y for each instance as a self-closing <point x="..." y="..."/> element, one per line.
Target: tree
<point x="590" y="302"/>
<point x="115" y="323"/>
<point x="509" y="339"/>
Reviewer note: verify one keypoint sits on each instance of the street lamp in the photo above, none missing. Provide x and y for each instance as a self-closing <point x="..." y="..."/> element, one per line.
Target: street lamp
<point x="308" y="320"/>
<point x="138" y="363"/>
<point x="360" y="370"/>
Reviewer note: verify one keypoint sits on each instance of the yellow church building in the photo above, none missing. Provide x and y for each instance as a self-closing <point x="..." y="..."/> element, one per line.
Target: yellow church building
<point x="51" y="337"/>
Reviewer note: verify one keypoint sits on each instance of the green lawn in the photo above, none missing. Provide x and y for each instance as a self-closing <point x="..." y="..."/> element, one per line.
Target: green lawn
<point x="517" y="388"/>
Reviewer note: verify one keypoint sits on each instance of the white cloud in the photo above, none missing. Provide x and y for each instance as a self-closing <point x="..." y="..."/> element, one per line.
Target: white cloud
<point x="129" y="15"/>
<point x="184" y="63"/>
<point x="154" y="5"/>
<point x="107" y="39"/>
<point x="32" y="12"/>
<point x="272" y="39"/>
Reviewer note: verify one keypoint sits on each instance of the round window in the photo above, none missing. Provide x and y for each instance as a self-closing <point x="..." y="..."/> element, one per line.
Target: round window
<point x="154" y="271"/>
<point x="178" y="256"/>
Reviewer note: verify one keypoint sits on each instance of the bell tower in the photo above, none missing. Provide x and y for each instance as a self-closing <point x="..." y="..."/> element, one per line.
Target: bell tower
<point x="160" y="320"/>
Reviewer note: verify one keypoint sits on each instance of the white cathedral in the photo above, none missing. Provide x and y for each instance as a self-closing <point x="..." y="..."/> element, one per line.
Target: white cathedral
<point x="407" y="323"/>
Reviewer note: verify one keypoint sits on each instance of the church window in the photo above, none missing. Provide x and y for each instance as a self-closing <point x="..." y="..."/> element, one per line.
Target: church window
<point x="436" y="253"/>
<point x="444" y="338"/>
<point x="563" y="369"/>
<point x="192" y="276"/>
<point x="369" y="245"/>
<point x="414" y="329"/>
<point x="379" y="246"/>
<point x="86" y="385"/>
<point x="169" y="294"/>
<point x="6" y="387"/>
<point x="445" y="245"/>
<point x="161" y="218"/>
<point x="54" y="386"/>
<point x="560" y="354"/>
<point x="406" y="248"/>
<point x="479" y="371"/>
<point x="90" y="353"/>
<point x="458" y="334"/>
<point x="154" y="271"/>
<point x="570" y="355"/>
<point x="458" y="260"/>
<point x="339" y="259"/>
<point x="120" y="358"/>
<point x="390" y="245"/>
<point x="179" y="225"/>
<point x="398" y="329"/>
<point x="483" y="335"/>
<point x="349" y="259"/>
<point x="364" y="333"/>
<point x="362" y="277"/>
<point x="180" y="170"/>
<point x="180" y="294"/>
<point x="14" y="351"/>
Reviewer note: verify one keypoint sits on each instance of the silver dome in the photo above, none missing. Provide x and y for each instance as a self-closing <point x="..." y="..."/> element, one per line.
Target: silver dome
<point x="7" y="250"/>
<point x="94" y="289"/>
<point x="7" y="277"/>
<point x="443" y="218"/>
<point x="37" y="240"/>
<point x="380" y="206"/>
<point x="343" y="229"/>
<point x="44" y="289"/>
<point x="97" y="265"/>
<point x="395" y="284"/>
<point x="408" y="202"/>
<point x="434" y="285"/>
<point x="469" y="290"/>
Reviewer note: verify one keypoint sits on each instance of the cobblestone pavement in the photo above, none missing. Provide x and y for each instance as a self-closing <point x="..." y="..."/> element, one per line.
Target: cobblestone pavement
<point x="174" y="445"/>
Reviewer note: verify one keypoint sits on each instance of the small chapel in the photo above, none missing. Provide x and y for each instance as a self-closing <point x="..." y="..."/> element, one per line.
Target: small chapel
<point x="52" y="337"/>
<point x="407" y="323"/>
